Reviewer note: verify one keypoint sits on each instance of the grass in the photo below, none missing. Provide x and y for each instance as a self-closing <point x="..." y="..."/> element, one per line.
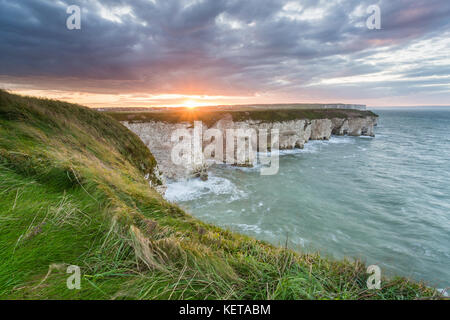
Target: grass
<point x="209" y="117"/>
<point x="73" y="191"/>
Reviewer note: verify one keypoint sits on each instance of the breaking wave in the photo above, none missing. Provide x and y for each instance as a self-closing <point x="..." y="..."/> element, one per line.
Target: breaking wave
<point x="187" y="190"/>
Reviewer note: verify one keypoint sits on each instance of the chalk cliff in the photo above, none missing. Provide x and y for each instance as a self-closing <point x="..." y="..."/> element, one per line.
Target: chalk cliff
<point x="292" y="134"/>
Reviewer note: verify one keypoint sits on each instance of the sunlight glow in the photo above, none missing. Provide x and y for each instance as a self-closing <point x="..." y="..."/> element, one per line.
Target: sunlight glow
<point x="191" y="104"/>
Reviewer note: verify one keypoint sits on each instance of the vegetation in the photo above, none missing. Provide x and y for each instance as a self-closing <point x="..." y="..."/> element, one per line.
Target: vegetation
<point x="73" y="191"/>
<point x="211" y="116"/>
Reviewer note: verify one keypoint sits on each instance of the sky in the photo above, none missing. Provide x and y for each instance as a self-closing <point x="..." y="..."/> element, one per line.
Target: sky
<point x="141" y="53"/>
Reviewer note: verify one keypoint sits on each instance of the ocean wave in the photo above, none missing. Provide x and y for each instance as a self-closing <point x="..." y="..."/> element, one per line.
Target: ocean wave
<point x="309" y="148"/>
<point x="191" y="189"/>
<point x="340" y="140"/>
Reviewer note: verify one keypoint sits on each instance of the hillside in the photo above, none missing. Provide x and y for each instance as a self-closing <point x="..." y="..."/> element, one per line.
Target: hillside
<point x="73" y="192"/>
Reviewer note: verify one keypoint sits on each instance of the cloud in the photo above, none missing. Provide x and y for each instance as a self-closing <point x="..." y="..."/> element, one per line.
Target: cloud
<point x="292" y="50"/>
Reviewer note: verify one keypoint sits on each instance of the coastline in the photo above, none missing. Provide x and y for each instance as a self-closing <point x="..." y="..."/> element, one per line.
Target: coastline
<point x="295" y="127"/>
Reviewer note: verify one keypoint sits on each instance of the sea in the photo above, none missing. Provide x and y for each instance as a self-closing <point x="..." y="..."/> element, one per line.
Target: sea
<point x="384" y="200"/>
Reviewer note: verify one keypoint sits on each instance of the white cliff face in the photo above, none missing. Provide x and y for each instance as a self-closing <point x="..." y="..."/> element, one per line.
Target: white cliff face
<point x="157" y="137"/>
<point x="354" y="126"/>
<point x="292" y="134"/>
<point x="321" y="129"/>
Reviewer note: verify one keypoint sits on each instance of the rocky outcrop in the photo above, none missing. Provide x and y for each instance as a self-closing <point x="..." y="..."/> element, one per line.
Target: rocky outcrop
<point x="292" y="134"/>
<point x="354" y="126"/>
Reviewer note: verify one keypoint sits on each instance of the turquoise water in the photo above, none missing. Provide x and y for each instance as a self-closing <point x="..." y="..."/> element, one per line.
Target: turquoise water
<point x="385" y="200"/>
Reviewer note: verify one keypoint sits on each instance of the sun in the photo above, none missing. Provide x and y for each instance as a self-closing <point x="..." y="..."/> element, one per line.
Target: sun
<point x="191" y="104"/>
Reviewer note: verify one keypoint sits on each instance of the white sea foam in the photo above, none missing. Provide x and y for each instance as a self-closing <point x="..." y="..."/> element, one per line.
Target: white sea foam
<point x="340" y="140"/>
<point x="251" y="228"/>
<point x="186" y="190"/>
<point x="309" y="148"/>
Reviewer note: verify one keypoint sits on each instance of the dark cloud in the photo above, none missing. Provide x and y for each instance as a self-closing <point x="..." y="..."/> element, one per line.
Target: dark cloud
<point x="222" y="47"/>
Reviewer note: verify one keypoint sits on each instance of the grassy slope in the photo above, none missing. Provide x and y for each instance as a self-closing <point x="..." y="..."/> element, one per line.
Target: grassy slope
<point x="210" y="117"/>
<point x="72" y="191"/>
